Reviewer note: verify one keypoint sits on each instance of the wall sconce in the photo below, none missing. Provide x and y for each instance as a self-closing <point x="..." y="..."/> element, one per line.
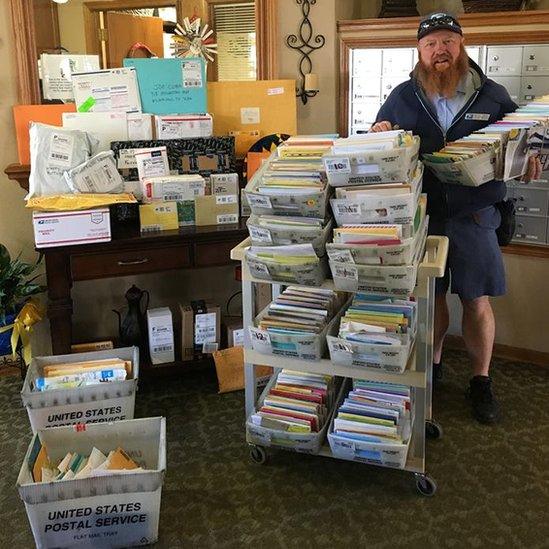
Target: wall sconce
<point x="305" y="45"/>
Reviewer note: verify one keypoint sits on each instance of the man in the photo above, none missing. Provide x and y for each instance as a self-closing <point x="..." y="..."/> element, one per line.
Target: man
<point x="448" y="97"/>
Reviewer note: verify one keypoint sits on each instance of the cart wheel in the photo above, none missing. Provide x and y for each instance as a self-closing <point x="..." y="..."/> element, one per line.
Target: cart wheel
<point x="433" y="429"/>
<point x="258" y="454"/>
<point x="425" y="485"/>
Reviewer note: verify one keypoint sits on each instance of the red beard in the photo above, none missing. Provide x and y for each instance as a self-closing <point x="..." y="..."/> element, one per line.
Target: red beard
<point x="445" y="81"/>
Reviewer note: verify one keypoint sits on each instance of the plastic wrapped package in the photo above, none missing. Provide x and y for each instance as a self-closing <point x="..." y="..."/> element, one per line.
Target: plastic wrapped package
<point x="54" y="151"/>
<point x="96" y="175"/>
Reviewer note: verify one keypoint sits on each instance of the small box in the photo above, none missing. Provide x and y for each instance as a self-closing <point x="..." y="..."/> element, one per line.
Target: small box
<point x="217" y="209"/>
<point x="234" y="331"/>
<point x="140" y="127"/>
<point x="161" y="342"/>
<point x="71" y="228"/>
<point x="173" y="187"/>
<point x="224" y="183"/>
<point x="183" y="126"/>
<point x="158" y="216"/>
<point x="200" y="329"/>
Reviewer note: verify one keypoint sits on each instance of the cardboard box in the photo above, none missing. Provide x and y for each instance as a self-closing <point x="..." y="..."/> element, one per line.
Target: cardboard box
<point x="158" y="216"/>
<point x="105" y="126"/>
<point x="161" y="342"/>
<point x="71" y="228"/>
<point x="224" y="183"/>
<point x="181" y="126"/>
<point x="234" y="333"/>
<point x="173" y="187"/>
<point x="200" y="329"/>
<point x="94" y="346"/>
<point x="133" y="498"/>
<point x="96" y="403"/>
<point x="140" y="127"/>
<point x="218" y="209"/>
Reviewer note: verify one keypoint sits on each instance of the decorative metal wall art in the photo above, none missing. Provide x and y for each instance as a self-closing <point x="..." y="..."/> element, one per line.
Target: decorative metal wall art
<point x="305" y="44"/>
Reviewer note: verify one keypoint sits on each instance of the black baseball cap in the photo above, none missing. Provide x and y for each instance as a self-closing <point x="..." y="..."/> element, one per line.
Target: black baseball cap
<point x="438" y="21"/>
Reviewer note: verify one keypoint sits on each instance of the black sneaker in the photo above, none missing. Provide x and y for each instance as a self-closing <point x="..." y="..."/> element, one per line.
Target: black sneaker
<point x="485" y="406"/>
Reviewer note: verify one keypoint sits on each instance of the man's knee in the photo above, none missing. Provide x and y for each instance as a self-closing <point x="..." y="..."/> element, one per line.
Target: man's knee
<point x="476" y="306"/>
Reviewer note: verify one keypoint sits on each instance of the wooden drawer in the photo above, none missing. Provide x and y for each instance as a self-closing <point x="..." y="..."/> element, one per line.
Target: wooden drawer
<point x="129" y="262"/>
<point x="208" y="254"/>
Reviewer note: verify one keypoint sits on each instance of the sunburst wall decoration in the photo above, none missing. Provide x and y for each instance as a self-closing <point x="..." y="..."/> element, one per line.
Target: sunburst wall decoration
<point x="192" y="40"/>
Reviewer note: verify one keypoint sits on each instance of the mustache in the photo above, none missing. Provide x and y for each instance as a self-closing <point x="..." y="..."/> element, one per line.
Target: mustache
<point x="442" y="58"/>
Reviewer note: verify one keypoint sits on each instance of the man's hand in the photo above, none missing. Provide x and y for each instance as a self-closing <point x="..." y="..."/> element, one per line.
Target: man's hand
<point x="534" y="169"/>
<point x="384" y="126"/>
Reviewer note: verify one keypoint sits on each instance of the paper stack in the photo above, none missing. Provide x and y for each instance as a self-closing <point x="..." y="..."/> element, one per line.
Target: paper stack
<point x="82" y="374"/>
<point x="375" y="333"/>
<point x="296" y="402"/>
<point x="295" y="323"/>
<point x="373" y="423"/>
<point x="372" y="158"/>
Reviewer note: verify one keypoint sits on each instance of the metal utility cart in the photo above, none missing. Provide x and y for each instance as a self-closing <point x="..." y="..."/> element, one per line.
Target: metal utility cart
<point x="417" y="375"/>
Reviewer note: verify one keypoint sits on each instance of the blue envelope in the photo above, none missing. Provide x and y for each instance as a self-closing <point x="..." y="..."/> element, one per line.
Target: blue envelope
<point x="171" y="86"/>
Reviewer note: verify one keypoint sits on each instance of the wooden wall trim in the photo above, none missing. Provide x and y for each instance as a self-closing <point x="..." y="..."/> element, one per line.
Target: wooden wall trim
<point x="28" y="89"/>
<point x="266" y="24"/>
<point x="529" y="250"/>
<point x="504" y="351"/>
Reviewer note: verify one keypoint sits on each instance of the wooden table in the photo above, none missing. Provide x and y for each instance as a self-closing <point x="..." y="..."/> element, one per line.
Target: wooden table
<point x="129" y="253"/>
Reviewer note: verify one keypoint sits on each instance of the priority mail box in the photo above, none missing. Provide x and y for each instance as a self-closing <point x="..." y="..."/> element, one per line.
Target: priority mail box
<point x="71" y="228"/>
<point x="112" y="401"/>
<point x="362" y="168"/>
<point x="118" y="510"/>
<point x="183" y="126"/>
<point x="219" y="209"/>
<point x="471" y="172"/>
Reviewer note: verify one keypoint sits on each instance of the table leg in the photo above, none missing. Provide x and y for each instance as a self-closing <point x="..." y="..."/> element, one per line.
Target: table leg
<point x="59" y="301"/>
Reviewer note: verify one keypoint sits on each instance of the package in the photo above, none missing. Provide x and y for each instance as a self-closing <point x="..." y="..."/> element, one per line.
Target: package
<point x="109" y="90"/>
<point x="71" y="228"/>
<point x="224" y="183"/>
<point x="158" y="216"/>
<point x="218" y="209"/>
<point x="94" y="346"/>
<point x="173" y="187"/>
<point x="104" y="126"/>
<point x="200" y="329"/>
<point x="119" y="510"/>
<point x="53" y="151"/>
<point x="161" y="342"/>
<point x="180" y="126"/>
<point x="152" y="162"/>
<point x="96" y="175"/>
<point x="140" y="126"/>
<point x="110" y="402"/>
<point x="229" y="367"/>
<point x="234" y="331"/>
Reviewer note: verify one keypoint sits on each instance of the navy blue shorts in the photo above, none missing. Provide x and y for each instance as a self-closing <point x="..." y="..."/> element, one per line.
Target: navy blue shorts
<point x="475" y="264"/>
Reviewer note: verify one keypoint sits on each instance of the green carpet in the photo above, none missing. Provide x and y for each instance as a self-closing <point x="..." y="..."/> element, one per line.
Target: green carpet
<point x="493" y="482"/>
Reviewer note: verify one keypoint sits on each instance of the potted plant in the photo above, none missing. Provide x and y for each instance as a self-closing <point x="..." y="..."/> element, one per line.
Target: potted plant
<point x="16" y="287"/>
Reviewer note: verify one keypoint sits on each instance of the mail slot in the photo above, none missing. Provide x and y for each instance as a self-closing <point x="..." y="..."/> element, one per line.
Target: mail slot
<point x="535" y="60"/>
<point x="511" y="84"/>
<point x="532" y="86"/>
<point x="366" y="89"/>
<point x="365" y="113"/>
<point x="531" y="229"/>
<point x="504" y="61"/>
<point x="366" y="61"/>
<point x="389" y="84"/>
<point x="531" y="201"/>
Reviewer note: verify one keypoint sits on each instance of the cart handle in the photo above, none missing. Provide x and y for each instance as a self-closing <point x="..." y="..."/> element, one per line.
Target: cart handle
<point x="237" y="253"/>
<point x="436" y="253"/>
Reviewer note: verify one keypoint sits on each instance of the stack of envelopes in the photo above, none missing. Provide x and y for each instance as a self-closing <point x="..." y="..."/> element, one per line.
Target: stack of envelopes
<point x="387" y="321"/>
<point x="300" y="311"/>
<point x="374" y="412"/>
<point x="297" y="402"/>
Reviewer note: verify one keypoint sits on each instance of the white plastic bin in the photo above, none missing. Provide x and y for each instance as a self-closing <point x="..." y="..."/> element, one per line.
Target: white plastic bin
<point x="372" y="167"/>
<point x="306" y="443"/>
<point x="283" y="236"/>
<point x="94" y="404"/>
<point x="471" y="172"/>
<point x="120" y="510"/>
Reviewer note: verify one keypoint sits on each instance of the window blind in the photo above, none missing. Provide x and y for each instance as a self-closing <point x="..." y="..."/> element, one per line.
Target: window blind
<point x="235" y="32"/>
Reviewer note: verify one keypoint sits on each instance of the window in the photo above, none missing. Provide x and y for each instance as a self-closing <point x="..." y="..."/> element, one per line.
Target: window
<point x="234" y="24"/>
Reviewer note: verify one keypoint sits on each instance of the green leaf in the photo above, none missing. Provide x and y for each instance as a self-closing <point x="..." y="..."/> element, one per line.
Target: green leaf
<point x="4" y="258"/>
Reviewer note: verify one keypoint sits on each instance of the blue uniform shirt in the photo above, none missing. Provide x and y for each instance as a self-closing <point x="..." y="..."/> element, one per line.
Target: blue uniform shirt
<point x="447" y="107"/>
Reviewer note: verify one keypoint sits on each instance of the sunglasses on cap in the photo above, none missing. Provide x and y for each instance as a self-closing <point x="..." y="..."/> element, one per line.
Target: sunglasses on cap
<point x="438" y="21"/>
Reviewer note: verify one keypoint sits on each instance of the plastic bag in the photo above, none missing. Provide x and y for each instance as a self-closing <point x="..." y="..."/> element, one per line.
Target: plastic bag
<point x="96" y="175"/>
<point x="53" y="151"/>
